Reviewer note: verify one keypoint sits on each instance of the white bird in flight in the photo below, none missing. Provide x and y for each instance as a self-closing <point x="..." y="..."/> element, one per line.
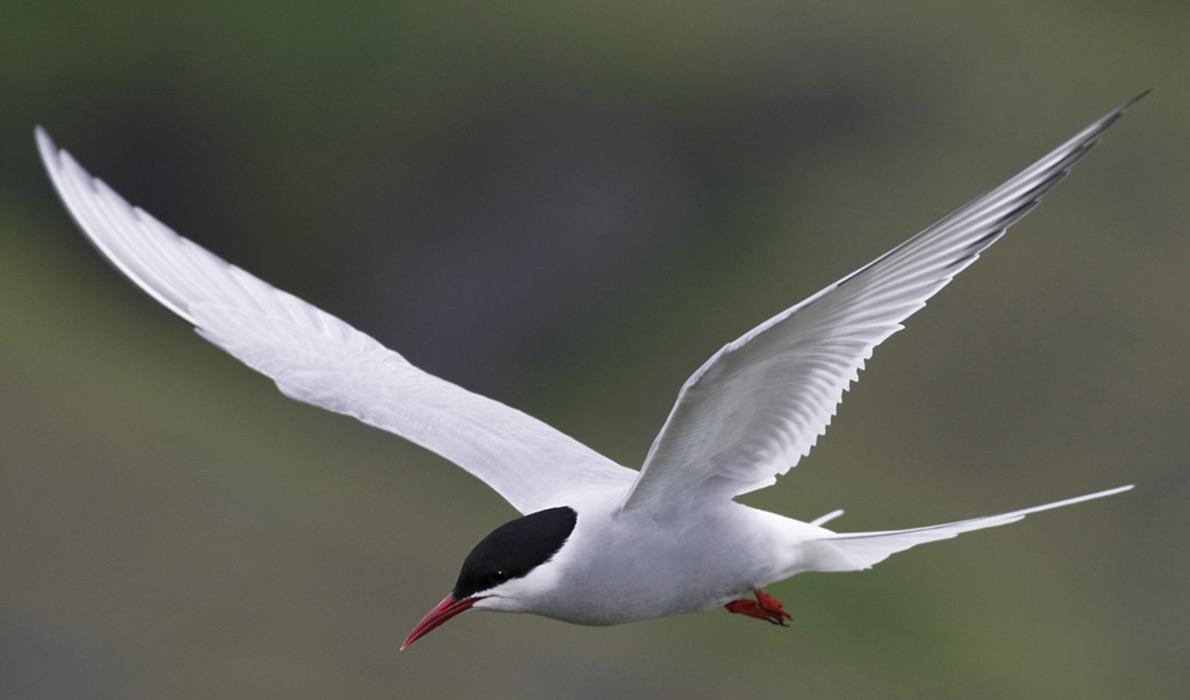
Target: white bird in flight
<point x="599" y="543"/>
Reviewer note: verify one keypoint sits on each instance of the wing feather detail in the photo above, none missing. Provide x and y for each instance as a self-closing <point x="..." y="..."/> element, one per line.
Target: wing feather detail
<point x="759" y="404"/>
<point x="316" y="358"/>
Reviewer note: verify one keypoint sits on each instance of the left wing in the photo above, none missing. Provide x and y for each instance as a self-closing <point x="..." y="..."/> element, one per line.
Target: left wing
<point x="758" y="405"/>
<point x="318" y="359"/>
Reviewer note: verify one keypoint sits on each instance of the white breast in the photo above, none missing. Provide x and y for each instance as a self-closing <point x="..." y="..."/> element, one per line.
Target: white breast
<point x="626" y="567"/>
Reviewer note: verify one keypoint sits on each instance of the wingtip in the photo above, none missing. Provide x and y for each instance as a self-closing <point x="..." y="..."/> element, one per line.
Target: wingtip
<point x="1128" y="103"/>
<point x="1098" y="126"/>
<point x="45" y="144"/>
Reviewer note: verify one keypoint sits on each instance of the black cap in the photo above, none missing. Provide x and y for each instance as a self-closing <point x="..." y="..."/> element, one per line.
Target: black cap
<point x="514" y="549"/>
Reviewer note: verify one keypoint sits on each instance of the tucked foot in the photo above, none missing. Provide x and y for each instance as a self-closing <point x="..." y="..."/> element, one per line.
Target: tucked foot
<point x="765" y="607"/>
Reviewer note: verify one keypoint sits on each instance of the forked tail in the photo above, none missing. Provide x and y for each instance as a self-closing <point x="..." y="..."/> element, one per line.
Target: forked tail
<point x="853" y="551"/>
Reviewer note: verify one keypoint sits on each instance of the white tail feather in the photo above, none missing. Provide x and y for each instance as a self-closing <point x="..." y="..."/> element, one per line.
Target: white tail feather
<point x="854" y="551"/>
<point x="826" y="518"/>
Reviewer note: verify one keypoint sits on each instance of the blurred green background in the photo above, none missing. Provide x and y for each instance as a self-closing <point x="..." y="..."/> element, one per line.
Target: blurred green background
<point x="569" y="206"/>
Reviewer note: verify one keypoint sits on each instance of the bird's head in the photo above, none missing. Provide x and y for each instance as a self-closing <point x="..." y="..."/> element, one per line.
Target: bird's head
<point x="504" y="571"/>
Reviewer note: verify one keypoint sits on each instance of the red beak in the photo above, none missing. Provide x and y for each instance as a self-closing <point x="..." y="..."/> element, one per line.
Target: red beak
<point x="447" y="608"/>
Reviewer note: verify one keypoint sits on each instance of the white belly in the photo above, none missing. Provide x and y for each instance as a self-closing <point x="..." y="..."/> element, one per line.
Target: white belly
<point x="622" y="569"/>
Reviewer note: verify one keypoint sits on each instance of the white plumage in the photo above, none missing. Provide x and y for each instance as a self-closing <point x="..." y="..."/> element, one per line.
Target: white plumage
<point x="663" y="540"/>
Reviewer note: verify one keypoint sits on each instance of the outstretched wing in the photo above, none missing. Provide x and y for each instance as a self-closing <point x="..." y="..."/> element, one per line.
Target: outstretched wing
<point x="758" y="405"/>
<point x="316" y="358"/>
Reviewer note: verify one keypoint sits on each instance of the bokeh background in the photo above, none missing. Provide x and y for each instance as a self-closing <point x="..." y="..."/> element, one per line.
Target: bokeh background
<point x="568" y="206"/>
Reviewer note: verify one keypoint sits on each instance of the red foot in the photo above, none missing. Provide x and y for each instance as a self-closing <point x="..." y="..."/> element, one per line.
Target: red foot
<point x="765" y="607"/>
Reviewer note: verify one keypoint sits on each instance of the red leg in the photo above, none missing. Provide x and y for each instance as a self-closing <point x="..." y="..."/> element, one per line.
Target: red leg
<point x="765" y="607"/>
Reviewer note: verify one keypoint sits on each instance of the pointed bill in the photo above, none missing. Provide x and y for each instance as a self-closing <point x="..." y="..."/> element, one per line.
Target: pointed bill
<point x="446" y="608"/>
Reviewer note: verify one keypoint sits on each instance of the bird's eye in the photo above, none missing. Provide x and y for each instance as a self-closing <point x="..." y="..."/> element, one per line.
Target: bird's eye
<point x="500" y="576"/>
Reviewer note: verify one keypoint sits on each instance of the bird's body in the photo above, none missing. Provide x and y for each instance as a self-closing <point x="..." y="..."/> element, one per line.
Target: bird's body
<point x="619" y="568"/>
<point x="600" y="543"/>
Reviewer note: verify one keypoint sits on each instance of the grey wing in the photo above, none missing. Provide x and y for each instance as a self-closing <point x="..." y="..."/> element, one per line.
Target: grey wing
<point x="317" y="358"/>
<point x="759" y="404"/>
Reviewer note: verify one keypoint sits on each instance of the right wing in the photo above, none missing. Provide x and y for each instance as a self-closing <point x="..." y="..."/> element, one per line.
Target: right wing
<point x="318" y="359"/>
<point x="855" y="551"/>
<point x="758" y="405"/>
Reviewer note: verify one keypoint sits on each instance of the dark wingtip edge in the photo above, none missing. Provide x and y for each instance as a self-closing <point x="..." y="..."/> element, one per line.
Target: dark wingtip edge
<point x="1100" y="125"/>
<point x="1137" y="99"/>
<point x="1129" y="102"/>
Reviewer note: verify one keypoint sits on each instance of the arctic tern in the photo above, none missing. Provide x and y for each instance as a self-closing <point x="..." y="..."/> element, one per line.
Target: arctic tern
<point x="599" y="543"/>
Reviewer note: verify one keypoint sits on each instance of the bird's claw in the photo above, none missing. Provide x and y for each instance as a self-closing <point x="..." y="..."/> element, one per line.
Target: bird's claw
<point x="765" y="607"/>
